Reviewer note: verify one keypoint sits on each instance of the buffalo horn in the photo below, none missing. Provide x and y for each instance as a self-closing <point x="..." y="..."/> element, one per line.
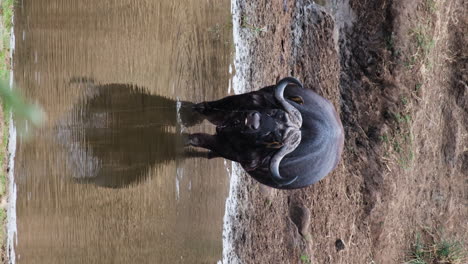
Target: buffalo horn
<point x="292" y="137"/>
<point x="294" y="115"/>
<point x="292" y="140"/>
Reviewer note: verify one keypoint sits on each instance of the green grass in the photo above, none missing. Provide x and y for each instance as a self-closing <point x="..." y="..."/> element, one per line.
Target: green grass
<point x="4" y="68"/>
<point x="424" y="41"/>
<point x="6" y="24"/>
<point x="450" y="252"/>
<point x="3" y="173"/>
<point x="404" y="100"/>
<point x="384" y="138"/>
<point x="7" y="13"/>
<point x="418" y="252"/>
<point x="5" y="29"/>
<point x="410" y="62"/>
<point x="305" y="259"/>
<point x="390" y="44"/>
<point x="245" y="24"/>
<point x="3" y="152"/>
<point x="418" y="87"/>
<point x="402" y="118"/>
<point x="424" y="44"/>
<point x="399" y="140"/>
<point x="442" y="251"/>
<point x="431" y="6"/>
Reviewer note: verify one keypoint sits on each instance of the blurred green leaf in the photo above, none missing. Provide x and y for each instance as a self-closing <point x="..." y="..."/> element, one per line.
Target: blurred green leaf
<point x="13" y="102"/>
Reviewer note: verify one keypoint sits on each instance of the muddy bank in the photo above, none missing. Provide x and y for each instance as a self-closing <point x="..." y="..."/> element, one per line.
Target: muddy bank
<point x="395" y="72"/>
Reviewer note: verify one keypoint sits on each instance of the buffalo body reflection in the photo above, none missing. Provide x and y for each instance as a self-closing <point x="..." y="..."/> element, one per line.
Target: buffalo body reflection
<point x="119" y="131"/>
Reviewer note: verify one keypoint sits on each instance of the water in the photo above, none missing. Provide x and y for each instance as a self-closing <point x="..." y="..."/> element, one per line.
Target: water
<point x="104" y="181"/>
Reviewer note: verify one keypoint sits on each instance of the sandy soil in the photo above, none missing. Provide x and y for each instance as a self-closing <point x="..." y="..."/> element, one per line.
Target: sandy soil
<point x="398" y="76"/>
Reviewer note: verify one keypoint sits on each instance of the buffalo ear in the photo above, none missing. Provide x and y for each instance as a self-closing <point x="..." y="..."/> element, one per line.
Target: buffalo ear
<point x="251" y="165"/>
<point x="297" y="99"/>
<point x="274" y="145"/>
<point x="256" y="99"/>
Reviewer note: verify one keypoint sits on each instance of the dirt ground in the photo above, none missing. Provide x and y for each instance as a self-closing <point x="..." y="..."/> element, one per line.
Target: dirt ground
<point x="398" y="76"/>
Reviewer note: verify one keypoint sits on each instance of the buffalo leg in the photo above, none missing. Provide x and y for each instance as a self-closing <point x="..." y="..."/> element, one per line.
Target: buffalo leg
<point x="211" y="142"/>
<point x="249" y="161"/>
<point x="220" y="110"/>
<point x="200" y="154"/>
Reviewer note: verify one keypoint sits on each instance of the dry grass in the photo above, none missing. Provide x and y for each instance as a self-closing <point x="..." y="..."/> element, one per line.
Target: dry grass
<point x="399" y="140"/>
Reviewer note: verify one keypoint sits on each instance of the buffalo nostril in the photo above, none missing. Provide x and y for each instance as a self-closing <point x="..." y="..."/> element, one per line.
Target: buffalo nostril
<point x="256" y="120"/>
<point x="253" y="120"/>
<point x="256" y="123"/>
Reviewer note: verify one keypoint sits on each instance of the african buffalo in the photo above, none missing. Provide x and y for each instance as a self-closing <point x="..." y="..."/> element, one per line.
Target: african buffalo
<point x="283" y="135"/>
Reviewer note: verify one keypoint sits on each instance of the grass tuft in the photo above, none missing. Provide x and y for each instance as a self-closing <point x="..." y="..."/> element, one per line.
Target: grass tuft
<point x="305" y="259"/>
<point x="437" y="252"/>
<point x="6" y="13"/>
<point x="424" y="44"/>
<point x="450" y="252"/>
<point x="245" y="24"/>
<point x="398" y="141"/>
<point x="431" y="6"/>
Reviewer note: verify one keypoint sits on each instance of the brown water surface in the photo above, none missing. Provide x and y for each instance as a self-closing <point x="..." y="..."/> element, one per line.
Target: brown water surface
<point x="104" y="181"/>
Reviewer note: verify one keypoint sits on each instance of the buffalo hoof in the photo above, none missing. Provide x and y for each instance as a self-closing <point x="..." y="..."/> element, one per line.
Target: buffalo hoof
<point x="201" y="108"/>
<point x="189" y="116"/>
<point x="193" y="140"/>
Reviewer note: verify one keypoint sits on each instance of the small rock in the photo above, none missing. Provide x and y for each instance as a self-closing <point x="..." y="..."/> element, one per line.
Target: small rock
<point x="339" y="245"/>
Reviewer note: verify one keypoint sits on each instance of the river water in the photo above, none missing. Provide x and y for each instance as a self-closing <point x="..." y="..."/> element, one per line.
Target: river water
<point x="105" y="180"/>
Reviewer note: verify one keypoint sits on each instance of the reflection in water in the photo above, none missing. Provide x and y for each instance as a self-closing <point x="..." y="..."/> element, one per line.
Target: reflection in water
<point x="161" y="208"/>
<point x="120" y="132"/>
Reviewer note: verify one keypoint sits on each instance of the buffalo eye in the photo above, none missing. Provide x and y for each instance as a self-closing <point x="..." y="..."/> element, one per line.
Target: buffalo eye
<point x="274" y="145"/>
<point x="273" y="140"/>
<point x="297" y="99"/>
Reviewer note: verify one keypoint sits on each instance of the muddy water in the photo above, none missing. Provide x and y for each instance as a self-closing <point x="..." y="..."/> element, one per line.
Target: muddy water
<point x="105" y="180"/>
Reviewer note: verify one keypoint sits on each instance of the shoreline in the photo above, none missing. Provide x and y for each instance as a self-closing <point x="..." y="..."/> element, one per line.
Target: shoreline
<point x="8" y="136"/>
<point x="11" y="226"/>
<point x="238" y="86"/>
